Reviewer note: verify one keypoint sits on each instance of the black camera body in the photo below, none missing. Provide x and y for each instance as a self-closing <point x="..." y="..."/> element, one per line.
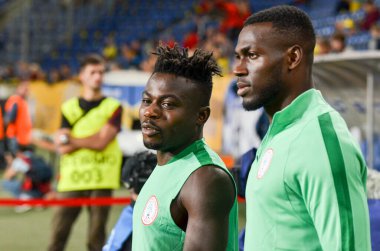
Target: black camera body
<point x="137" y="169"/>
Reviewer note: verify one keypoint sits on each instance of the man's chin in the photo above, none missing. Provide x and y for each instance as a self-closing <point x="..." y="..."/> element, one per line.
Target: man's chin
<point x="152" y="146"/>
<point x="251" y="106"/>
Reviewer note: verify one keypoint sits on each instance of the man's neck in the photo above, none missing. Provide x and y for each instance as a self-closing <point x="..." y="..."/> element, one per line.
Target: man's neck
<point x="163" y="157"/>
<point x="91" y="95"/>
<point x="285" y="101"/>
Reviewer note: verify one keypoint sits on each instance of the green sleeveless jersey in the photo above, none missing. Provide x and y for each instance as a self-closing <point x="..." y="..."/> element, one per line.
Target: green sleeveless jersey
<point x="306" y="190"/>
<point x="153" y="226"/>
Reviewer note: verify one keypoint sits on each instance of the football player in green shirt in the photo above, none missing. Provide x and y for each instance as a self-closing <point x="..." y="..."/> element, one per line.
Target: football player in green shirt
<point x="306" y="189"/>
<point x="189" y="201"/>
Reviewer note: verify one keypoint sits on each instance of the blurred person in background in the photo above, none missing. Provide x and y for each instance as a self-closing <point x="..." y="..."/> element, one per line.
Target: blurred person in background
<point x="306" y="189"/>
<point x="190" y="200"/>
<point x="191" y="39"/>
<point x="65" y="72"/>
<point x="322" y="46"/>
<point x="147" y="65"/>
<point x="2" y="140"/>
<point x="337" y="43"/>
<point x="130" y="55"/>
<point x="135" y="173"/>
<point x="374" y="43"/>
<point x="36" y="73"/>
<point x="241" y="129"/>
<point x="346" y="26"/>
<point x="22" y="70"/>
<point x="54" y="76"/>
<point x="222" y="48"/>
<point x="90" y="155"/>
<point x="372" y="15"/>
<point x="27" y="176"/>
<point x="18" y="122"/>
<point x="110" y="49"/>
<point x="234" y="14"/>
<point x="342" y="6"/>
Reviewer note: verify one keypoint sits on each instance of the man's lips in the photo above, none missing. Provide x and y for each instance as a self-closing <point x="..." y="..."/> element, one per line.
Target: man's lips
<point x="241" y="84"/>
<point x="243" y="88"/>
<point x="149" y="129"/>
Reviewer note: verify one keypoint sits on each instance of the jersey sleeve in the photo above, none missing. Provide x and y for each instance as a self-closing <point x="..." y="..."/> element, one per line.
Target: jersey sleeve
<point x="329" y="186"/>
<point x="115" y="119"/>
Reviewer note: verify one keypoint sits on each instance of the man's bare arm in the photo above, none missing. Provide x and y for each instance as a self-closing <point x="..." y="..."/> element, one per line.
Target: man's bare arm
<point x="207" y="196"/>
<point x="97" y="141"/>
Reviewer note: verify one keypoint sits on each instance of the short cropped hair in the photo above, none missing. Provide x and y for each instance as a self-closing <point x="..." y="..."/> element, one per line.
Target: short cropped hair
<point x="290" y="22"/>
<point x="91" y="59"/>
<point x="199" y="68"/>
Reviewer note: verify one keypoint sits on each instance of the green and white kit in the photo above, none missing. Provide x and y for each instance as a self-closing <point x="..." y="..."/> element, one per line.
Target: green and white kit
<point x="307" y="186"/>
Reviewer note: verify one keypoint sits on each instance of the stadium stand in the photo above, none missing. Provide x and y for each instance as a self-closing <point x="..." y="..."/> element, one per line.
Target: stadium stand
<point x="126" y="21"/>
<point x="46" y="23"/>
<point x="54" y="33"/>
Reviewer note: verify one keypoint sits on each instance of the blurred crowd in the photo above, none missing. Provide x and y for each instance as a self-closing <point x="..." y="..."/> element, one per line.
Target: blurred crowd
<point x="347" y="26"/>
<point x="33" y="71"/>
<point x="216" y="26"/>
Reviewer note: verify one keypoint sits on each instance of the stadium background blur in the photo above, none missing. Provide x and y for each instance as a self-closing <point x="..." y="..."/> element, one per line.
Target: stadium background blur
<point x="43" y="40"/>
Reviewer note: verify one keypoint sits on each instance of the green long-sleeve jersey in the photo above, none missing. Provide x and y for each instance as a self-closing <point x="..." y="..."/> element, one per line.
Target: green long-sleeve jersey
<point x="306" y="188"/>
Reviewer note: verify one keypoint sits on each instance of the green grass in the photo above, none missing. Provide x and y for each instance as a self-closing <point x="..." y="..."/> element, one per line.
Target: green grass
<point x="30" y="231"/>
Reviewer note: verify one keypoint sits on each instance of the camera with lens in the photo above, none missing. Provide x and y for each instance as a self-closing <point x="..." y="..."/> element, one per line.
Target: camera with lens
<point x="137" y="169"/>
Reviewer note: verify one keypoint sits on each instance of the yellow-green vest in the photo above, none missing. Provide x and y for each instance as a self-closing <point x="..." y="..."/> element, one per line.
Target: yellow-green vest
<point x="87" y="169"/>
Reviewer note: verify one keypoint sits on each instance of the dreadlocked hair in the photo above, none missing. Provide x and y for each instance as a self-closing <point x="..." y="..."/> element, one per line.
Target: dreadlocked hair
<point x="200" y="67"/>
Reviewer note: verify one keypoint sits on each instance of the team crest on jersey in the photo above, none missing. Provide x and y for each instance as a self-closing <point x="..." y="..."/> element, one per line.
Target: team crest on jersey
<point x="265" y="163"/>
<point x="150" y="211"/>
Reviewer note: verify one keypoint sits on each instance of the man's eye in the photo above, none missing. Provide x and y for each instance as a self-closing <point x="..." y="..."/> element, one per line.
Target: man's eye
<point x="252" y="55"/>
<point x="145" y="101"/>
<point x="167" y="105"/>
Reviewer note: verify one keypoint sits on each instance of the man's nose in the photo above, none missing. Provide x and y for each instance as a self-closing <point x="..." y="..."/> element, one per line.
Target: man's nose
<point x="151" y="111"/>
<point x="240" y="68"/>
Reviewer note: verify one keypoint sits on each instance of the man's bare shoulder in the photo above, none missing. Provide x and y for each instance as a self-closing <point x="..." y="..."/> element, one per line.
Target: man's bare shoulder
<point x="209" y="186"/>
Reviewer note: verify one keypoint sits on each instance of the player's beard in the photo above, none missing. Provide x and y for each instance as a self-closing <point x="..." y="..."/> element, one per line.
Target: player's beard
<point x="266" y="94"/>
<point x="152" y="146"/>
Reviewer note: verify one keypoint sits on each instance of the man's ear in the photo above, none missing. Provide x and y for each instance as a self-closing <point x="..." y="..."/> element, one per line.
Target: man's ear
<point x="80" y="76"/>
<point x="295" y="54"/>
<point x="203" y="115"/>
